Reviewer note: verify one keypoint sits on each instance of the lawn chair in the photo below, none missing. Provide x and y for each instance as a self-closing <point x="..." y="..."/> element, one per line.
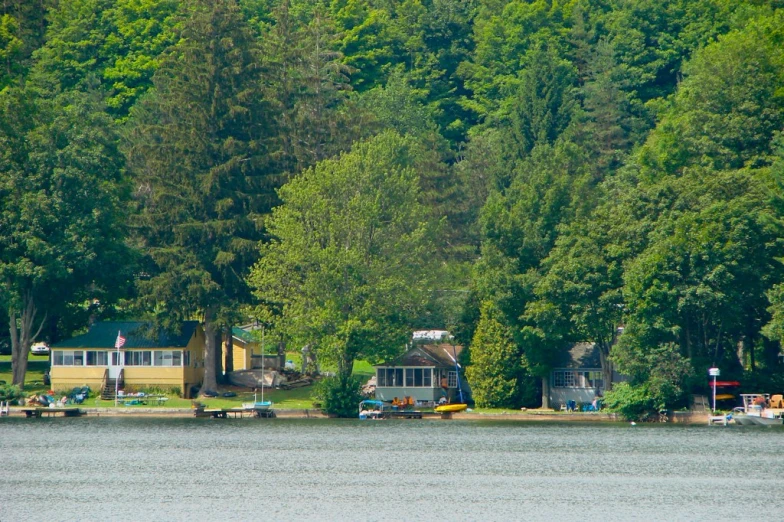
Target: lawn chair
<point x="777" y="401"/>
<point x="77" y="397"/>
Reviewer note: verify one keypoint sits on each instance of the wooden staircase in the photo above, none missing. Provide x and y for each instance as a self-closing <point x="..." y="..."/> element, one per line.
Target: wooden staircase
<point x="107" y="393"/>
<point x="110" y="386"/>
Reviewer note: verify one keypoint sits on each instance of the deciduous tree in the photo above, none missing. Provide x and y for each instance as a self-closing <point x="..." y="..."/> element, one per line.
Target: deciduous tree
<point x="350" y="258"/>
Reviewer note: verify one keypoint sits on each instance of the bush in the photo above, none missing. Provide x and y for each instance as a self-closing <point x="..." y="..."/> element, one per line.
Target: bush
<point x="339" y="396"/>
<point x="10" y="393"/>
<point x="632" y="402"/>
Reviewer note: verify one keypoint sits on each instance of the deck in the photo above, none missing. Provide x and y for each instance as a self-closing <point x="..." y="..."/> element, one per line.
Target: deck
<point x="53" y="412"/>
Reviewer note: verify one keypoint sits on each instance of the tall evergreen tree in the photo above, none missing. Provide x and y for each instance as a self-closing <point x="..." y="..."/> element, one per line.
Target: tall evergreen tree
<point x="200" y="148"/>
<point x="495" y="361"/>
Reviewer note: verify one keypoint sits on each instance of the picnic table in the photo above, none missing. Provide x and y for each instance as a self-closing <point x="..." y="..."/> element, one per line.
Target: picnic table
<point x="134" y="400"/>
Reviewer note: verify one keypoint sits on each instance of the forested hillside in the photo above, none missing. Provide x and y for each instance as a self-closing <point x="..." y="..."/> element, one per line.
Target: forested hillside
<point x="525" y="174"/>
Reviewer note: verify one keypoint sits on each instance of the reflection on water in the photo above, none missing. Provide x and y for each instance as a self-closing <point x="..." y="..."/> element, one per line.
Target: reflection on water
<point x="284" y="469"/>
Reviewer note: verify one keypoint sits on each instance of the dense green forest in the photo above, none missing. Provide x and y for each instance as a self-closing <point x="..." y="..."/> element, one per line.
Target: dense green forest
<point x="524" y="173"/>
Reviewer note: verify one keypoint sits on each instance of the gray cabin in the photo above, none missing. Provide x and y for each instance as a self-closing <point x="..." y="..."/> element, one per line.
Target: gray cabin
<point x="578" y="378"/>
<point x="426" y="372"/>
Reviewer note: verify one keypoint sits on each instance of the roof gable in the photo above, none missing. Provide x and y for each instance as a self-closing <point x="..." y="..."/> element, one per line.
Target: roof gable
<point x="428" y="355"/>
<point x="137" y="335"/>
<point x="582" y="355"/>
<point x="244" y="334"/>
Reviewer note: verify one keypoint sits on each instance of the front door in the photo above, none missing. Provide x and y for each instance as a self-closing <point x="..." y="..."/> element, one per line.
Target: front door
<point x="115" y="364"/>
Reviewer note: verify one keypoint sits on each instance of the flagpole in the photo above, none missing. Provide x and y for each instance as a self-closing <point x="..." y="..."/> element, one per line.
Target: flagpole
<point x="117" y="376"/>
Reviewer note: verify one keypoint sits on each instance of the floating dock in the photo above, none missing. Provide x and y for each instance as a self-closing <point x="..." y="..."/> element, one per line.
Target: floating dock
<point x="53" y="412"/>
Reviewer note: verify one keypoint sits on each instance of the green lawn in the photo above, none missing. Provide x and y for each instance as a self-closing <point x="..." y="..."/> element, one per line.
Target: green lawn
<point x="34" y="379"/>
<point x="364" y="369"/>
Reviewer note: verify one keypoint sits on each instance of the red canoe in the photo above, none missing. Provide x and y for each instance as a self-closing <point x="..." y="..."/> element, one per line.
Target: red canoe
<point x="725" y="384"/>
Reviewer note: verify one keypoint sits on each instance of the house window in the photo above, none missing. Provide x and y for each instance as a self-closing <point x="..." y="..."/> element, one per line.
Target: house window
<point x="168" y="358"/>
<point x="390" y="377"/>
<point x="564" y="379"/>
<point x="593" y="379"/>
<point x="452" y="379"/>
<point x="409" y="377"/>
<point x="68" y="358"/>
<point x="97" y="358"/>
<point x="138" y="358"/>
<point x="427" y="379"/>
<point x="394" y="377"/>
<point x="116" y="357"/>
<point x="573" y="379"/>
<point x="186" y="358"/>
<point x="418" y="377"/>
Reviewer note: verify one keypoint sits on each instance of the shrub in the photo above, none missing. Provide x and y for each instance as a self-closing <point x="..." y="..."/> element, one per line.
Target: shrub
<point x="633" y="402"/>
<point x="10" y="393"/>
<point x="339" y="396"/>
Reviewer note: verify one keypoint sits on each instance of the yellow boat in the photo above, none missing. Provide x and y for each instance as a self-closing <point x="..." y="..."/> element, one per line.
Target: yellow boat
<point x="447" y="408"/>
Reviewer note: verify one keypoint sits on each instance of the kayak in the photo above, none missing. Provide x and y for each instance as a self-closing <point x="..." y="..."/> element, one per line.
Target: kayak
<point x="446" y="408"/>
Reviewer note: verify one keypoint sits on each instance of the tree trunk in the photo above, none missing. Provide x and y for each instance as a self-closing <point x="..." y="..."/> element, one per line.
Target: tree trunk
<point x="219" y="377"/>
<point x="607" y="366"/>
<point x="546" y="392"/>
<point x="282" y="353"/>
<point x="22" y="338"/>
<point x="229" y="350"/>
<point x="345" y="367"/>
<point x="209" y="383"/>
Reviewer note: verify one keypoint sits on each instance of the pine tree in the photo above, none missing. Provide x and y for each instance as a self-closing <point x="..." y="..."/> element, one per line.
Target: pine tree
<point x="495" y="361"/>
<point x="200" y="148"/>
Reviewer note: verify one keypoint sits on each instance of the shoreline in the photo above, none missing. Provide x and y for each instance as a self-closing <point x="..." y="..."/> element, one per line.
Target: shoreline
<point x="691" y="418"/>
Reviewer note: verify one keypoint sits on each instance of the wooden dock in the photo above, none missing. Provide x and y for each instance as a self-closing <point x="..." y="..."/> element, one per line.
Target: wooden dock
<point x="403" y="414"/>
<point x="236" y="413"/>
<point x="53" y="412"/>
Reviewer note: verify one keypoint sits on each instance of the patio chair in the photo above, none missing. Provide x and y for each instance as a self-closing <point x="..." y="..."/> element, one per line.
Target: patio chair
<point x="777" y="401"/>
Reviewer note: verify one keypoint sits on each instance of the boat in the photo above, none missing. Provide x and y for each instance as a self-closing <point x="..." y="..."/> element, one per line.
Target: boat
<point x="256" y="405"/>
<point x="754" y="413"/>
<point x="373" y="410"/>
<point x="451" y="408"/>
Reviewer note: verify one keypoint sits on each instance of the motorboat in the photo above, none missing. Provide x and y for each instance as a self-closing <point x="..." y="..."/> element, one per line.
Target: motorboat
<point x="370" y="409"/>
<point x="755" y="412"/>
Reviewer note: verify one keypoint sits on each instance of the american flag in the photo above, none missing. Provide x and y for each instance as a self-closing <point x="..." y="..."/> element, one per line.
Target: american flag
<point x="120" y="341"/>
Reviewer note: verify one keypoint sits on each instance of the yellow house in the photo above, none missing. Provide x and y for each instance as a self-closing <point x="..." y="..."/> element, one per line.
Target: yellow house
<point x="244" y="346"/>
<point x="146" y="360"/>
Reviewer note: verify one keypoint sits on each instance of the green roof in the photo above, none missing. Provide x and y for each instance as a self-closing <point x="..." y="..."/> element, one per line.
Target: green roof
<point x="243" y="335"/>
<point x="137" y="335"/>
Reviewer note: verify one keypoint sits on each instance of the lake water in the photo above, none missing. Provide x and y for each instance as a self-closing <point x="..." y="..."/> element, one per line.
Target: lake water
<point x="106" y="468"/>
